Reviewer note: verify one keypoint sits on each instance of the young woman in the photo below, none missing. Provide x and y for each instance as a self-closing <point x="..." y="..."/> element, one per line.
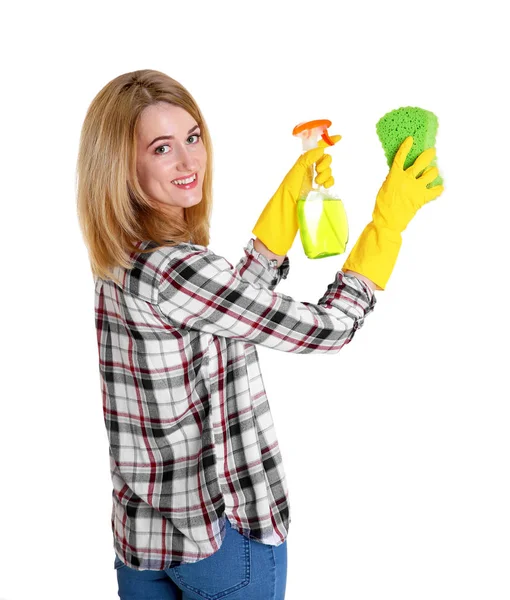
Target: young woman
<point x="200" y="506"/>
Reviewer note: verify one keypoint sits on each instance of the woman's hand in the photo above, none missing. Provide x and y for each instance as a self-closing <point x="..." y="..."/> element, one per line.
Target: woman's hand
<point x="277" y="226"/>
<point x="401" y="195"/>
<point x="404" y="192"/>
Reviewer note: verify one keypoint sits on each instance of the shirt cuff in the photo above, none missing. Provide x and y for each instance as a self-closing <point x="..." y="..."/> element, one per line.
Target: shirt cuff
<point x="257" y="268"/>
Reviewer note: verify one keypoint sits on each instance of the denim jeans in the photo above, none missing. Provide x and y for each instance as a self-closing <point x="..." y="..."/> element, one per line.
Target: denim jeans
<point x="242" y="569"/>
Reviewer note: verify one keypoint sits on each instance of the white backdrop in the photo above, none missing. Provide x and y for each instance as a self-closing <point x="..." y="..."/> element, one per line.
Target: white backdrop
<point x="397" y="448"/>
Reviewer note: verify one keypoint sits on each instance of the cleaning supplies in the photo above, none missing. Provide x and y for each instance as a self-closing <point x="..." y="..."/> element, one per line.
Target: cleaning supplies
<point x="321" y="215"/>
<point x="277" y="225"/>
<point x="395" y="126"/>
<point x="410" y="184"/>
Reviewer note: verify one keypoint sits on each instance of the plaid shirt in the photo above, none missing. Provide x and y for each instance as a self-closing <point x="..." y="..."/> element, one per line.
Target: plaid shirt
<point x="190" y="431"/>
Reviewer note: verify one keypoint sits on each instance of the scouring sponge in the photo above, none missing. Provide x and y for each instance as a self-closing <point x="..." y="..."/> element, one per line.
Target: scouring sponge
<point x="398" y="124"/>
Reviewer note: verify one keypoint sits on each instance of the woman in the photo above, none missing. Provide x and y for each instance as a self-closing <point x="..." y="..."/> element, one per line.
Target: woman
<point x="200" y="506"/>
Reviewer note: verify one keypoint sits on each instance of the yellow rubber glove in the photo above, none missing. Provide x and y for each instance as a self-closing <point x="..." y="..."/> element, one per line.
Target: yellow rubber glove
<point x="277" y="225"/>
<point x="401" y="195"/>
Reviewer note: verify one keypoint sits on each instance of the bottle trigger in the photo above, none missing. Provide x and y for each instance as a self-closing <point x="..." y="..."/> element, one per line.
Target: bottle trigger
<point x="326" y="138"/>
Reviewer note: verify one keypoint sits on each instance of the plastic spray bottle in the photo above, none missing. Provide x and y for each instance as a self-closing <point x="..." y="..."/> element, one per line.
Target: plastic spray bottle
<point x="321" y="215"/>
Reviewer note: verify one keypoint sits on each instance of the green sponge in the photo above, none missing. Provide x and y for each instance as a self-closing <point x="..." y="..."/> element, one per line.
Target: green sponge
<point x="398" y="124"/>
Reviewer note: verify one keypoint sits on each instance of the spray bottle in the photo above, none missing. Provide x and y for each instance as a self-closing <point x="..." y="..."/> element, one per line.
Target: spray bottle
<point x="321" y="215"/>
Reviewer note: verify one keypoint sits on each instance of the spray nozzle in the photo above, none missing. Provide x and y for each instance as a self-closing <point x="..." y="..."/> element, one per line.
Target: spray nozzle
<point x="310" y="131"/>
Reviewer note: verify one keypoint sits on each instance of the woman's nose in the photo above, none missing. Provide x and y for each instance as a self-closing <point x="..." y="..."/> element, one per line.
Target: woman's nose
<point x="187" y="161"/>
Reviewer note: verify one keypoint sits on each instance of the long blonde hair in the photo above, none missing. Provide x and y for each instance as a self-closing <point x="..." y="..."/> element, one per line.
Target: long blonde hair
<point x="113" y="211"/>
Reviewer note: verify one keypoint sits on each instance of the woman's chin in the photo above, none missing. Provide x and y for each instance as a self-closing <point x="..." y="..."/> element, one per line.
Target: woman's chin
<point x="192" y="199"/>
<point x="181" y="201"/>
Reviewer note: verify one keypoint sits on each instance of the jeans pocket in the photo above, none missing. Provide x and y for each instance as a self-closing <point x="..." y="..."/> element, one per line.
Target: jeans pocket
<point x="218" y="575"/>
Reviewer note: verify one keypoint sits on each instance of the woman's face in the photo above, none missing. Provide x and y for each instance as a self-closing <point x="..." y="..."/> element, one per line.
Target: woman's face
<point x="171" y="157"/>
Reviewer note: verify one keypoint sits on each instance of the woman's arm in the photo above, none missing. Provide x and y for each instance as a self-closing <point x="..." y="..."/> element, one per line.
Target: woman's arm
<point x="262" y="269"/>
<point x="370" y="283"/>
<point x="260" y="247"/>
<point x="200" y="290"/>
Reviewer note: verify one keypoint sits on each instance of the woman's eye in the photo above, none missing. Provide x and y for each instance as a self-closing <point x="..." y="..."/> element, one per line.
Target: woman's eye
<point x="159" y="148"/>
<point x="195" y="137"/>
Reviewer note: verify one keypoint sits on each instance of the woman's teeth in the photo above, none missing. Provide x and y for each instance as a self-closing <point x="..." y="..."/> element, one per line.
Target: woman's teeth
<point x="186" y="181"/>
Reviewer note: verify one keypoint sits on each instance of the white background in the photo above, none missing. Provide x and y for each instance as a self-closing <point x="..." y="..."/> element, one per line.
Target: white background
<point x="397" y="448"/>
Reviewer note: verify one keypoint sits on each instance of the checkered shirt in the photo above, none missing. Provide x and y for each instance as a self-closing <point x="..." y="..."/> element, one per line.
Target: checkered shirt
<point x="190" y="432"/>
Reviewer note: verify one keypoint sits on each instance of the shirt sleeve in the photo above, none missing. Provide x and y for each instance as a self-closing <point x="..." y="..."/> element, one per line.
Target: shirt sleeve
<point x="257" y="268"/>
<point x="202" y="291"/>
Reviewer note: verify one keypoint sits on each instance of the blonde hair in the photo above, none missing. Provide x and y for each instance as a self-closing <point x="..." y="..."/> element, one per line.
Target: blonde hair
<point x="113" y="211"/>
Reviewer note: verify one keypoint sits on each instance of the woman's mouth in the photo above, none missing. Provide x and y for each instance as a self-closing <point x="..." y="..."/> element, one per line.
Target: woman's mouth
<point x="186" y="183"/>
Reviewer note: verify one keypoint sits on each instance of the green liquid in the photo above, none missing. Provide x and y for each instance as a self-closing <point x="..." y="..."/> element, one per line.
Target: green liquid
<point x="322" y="225"/>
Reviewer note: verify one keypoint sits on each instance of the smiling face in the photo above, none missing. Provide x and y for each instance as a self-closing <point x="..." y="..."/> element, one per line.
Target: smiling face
<point x="171" y="157"/>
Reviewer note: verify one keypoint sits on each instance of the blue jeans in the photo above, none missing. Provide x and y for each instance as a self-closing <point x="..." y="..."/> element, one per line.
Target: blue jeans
<point x="241" y="569"/>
